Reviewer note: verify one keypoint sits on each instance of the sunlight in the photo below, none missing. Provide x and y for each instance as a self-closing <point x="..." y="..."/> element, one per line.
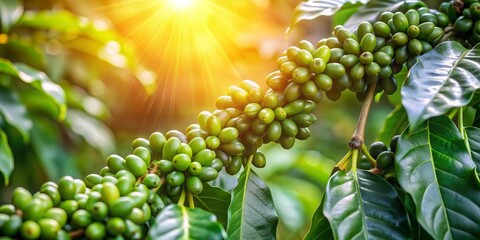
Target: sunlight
<point x="181" y="4"/>
<point x="192" y="48"/>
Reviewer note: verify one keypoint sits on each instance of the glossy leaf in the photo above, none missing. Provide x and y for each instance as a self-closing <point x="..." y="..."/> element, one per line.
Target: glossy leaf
<point x="433" y="166"/>
<point x="473" y="134"/>
<point x="371" y="11"/>
<point x="15" y="113"/>
<point x="320" y="228"/>
<point x="395" y="122"/>
<point x="10" y="12"/>
<point x="6" y="157"/>
<point x="179" y="222"/>
<point x="442" y="79"/>
<point x="38" y="80"/>
<point x="95" y="133"/>
<point x="364" y="206"/>
<point x="214" y="200"/>
<point x="312" y="9"/>
<point x="251" y="214"/>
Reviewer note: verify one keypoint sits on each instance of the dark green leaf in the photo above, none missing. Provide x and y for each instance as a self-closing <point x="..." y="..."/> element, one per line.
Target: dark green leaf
<point x="6" y="157"/>
<point x="15" y="113"/>
<point x="473" y="134"/>
<point x="371" y="11"/>
<point x="251" y="214"/>
<point x="10" y="12"/>
<point x="320" y="228"/>
<point x="312" y="9"/>
<point x="442" y="79"/>
<point x="364" y="206"/>
<point x="214" y="200"/>
<point x="179" y="222"/>
<point x="434" y="167"/>
<point x="394" y="124"/>
<point x="345" y="12"/>
<point x="95" y="133"/>
<point x="49" y="146"/>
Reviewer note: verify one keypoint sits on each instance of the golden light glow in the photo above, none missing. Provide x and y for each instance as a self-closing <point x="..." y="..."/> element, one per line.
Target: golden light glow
<point x="181" y="4"/>
<point x="190" y="45"/>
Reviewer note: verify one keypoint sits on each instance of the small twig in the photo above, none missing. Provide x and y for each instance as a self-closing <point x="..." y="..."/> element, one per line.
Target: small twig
<point x="76" y="233"/>
<point x="358" y="136"/>
<point x="369" y="157"/>
<point x="181" y="200"/>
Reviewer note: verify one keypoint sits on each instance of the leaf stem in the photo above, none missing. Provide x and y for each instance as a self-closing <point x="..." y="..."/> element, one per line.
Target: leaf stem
<point x="358" y="136"/>
<point x="181" y="200"/>
<point x="191" y="203"/>
<point x="354" y="160"/>
<point x="369" y="157"/>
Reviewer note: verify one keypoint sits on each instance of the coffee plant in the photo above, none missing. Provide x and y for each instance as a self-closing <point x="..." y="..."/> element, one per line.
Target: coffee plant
<point x="419" y="181"/>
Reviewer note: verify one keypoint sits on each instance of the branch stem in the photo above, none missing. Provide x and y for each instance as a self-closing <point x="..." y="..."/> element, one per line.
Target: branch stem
<point x="191" y="203"/>
<point x="369" y="157"/>
<point x="358" y="136"/>
<point x="181" y="200"/>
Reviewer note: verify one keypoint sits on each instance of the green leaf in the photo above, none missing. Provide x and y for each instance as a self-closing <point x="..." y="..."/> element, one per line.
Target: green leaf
<point x="320" y="228"/>
<point x="434" y="167"/>
<point x="179" y="222"/>
<point x="394" y="124"/>
<point x="442" y="79"/>
<point x="95" y="133"/>
<point x="15" y="113"/>
<point x="6" y="157"/>
<point x="344" y="13"/>
<point x="312" y="9"/>
<point x="473" y="134"/>
<point x="251" y="214"/>
<point x="214" y="200"/>
<point x="38" y="80"/>
<point x="50" y="148"/>
<point x="371" y="11"/>
<point x="41" y="82"/>
<point x="10" y="12"/>
<point x="364" y="206"/>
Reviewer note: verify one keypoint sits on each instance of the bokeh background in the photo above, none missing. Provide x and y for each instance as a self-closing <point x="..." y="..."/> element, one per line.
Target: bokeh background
<point x="131" y="67"/>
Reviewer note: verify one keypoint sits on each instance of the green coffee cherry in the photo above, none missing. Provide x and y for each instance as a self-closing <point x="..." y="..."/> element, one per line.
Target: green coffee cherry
<point x="30" y="230"/>
<point x="171" y="148"/>
<point x="144" y="154"/>
<point x="12" y="226"/>
<point x="385" y="159"/>
<point x="57" y="214"/>
<point x="351" y="47"/>
<point x="194" y="185"/>
<point x="182" y="161"/>
<point x="156" y="142"/>
<point x="136" y="165"/>
<point x="323" y="82"/>
<point x="400" y="22"/>
<point x="303" y="58"/>
<point x="96" y="230"/>
<point x="116" y="226"/>
<point x="21" y="197"/>
<point x="322" y="52"/>
<point x="122" y="207"/>
<point x="208" y="174"/>
<point x="140" y="142"/>
<point x="234" y="166"/>
<point x="376" y="148"/>
<point x="259" y="160"/>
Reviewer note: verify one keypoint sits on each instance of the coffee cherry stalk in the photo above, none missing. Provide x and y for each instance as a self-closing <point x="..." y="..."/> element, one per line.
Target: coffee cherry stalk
<point x="125" y="196"/>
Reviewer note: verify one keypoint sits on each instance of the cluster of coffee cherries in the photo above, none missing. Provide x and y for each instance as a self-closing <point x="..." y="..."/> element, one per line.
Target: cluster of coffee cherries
<point x="356" y="59"/>
<point x="384" y="157"/>
<point x="465" y="16"/>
